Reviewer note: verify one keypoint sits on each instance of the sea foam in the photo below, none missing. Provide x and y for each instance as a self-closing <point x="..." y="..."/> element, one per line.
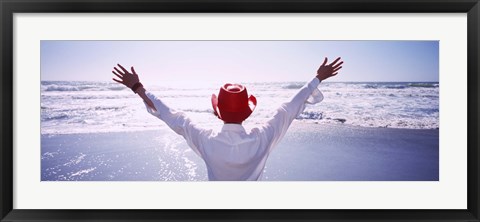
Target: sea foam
<point x="86" y="107"/>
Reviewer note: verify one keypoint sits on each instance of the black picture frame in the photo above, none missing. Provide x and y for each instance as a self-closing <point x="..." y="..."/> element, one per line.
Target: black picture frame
<point x="9" y="7"/>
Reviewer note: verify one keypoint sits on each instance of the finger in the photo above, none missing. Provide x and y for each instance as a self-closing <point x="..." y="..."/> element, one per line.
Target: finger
<point x="133" y="71"/>
<point x="118" y="71"/>
<point x="324" y="61"/>
<point x="336" y="60"/>
<point x="123" y="68"/>
<point x="119" y="76"/>
<point x="336" y="69"/>
<point x="334" y="74"/>
<point x="116" y="80"/>
<point x="337" y="65"/>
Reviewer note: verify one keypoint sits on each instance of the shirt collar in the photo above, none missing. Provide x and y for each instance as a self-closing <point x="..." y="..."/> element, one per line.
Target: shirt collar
<point x="233" y="127"/>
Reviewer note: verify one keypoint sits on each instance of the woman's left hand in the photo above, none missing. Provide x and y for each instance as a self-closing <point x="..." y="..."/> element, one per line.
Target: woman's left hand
<point x="126" y="78"/>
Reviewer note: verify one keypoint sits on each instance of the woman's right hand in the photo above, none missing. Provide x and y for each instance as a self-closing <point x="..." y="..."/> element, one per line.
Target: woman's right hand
<point x="326" y="71"/>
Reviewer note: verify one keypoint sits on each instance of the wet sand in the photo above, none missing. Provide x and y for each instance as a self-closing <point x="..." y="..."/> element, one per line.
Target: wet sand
<point x="308" y="152"/>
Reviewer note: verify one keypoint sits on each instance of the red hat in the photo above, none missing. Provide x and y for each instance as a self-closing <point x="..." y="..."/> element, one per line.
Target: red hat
<point x="233" y="104"/>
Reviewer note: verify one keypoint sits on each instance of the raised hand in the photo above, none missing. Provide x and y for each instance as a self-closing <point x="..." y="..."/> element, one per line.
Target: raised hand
<point x="326" y="71"/>
<point x="129" y="80"/>
<point x="126" y="78"/>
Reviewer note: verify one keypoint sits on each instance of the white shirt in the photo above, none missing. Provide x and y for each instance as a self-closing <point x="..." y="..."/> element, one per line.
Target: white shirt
<point x="233" y="153"/>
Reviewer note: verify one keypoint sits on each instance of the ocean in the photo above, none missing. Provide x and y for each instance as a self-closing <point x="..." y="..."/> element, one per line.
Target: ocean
<point x="69" y="107"/>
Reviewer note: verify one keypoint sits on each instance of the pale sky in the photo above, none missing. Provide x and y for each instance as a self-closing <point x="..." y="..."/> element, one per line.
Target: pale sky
<point x="240" y="61"/>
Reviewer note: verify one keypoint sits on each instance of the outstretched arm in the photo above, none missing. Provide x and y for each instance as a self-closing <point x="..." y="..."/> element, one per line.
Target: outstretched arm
<point x="132" y="81"/>
<point x="276" y="127"/>
<point x="177" y="121"/>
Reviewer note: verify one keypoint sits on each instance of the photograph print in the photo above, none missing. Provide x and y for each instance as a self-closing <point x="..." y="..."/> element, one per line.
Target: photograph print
<point x="239" y="110"/>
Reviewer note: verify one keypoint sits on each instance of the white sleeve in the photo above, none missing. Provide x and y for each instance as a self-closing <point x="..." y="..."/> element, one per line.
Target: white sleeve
<point x="276" y="127"/>
<point x="179" y="123"/>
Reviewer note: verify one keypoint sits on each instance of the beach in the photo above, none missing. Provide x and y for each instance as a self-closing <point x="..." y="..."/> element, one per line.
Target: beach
<point x="310" y="151"/>
<point x="362" y="131"/>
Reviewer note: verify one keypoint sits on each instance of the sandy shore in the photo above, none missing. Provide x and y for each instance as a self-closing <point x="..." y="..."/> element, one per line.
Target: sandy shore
<point x="309" y="152"/>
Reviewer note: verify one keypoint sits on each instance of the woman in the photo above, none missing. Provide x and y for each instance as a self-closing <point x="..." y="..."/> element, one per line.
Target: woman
<point x="232" y="153"/>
